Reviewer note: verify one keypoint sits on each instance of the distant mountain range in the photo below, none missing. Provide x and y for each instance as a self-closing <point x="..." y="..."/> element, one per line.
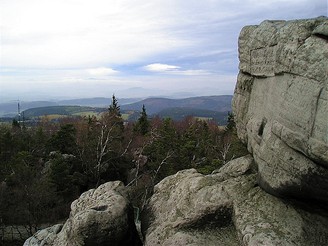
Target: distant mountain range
<point x="10" y="109"/>
<point x="210" y="107"/>
<point x="155" y="105"/>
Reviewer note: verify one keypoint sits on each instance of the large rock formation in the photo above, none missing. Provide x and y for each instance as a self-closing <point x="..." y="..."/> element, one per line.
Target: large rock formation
<point x="101" y="216"/>
<point x="227" y="208"/>
<point x="281" y="113"/>
<point x="281" y="105"/>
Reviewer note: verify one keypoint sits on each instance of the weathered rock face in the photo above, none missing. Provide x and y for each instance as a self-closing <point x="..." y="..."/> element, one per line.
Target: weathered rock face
<point x="226" y="208"/>
<point x="191" y="209"/>
<point x="281" y="105"/>
<point x="101" y="216"/>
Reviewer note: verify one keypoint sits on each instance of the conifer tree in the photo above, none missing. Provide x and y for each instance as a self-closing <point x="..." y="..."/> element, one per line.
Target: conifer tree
<point x="230" y="122"/>
<point x="114" y="108"/>
<point x="114" y="117"/>
<point x="64" y="140"/>
<point x="15" y="124"/>
<point x="142" y="125"/>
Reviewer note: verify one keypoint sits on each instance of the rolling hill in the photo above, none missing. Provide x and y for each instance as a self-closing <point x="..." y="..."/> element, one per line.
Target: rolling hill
<point x="97" y="101"/>
<point x="61" y="110"/>
<point x="207" y="107"/>
<point x="181" y="113"/>
<point x="9" y="109"/>
<point x="155" y="105"/>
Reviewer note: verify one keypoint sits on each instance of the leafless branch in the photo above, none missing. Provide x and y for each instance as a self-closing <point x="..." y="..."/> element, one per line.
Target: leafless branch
<point x="127" y="148"/>
<point x="168" y="155"/>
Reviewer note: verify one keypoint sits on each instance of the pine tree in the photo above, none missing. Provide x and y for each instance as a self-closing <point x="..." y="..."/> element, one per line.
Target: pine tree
<point x="114" y="117"/>
<point x="114" y="108"/>
<point x="64" y="140"/>
<point x="230" y="122"/>
<point x="15" y="124"/>
<point x="142" y="125"/>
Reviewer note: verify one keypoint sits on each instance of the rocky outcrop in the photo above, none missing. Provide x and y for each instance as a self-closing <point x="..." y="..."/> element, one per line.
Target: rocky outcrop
<point x="276" y="196"/>
<point x="227" y="208"/>
<point x="189" y="208"/>
<point x="281" y="105"/>
<point x="101" y="216"/>
<point x="281" y="113"/>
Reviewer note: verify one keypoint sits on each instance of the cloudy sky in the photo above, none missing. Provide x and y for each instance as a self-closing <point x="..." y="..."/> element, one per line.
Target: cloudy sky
<point x="87" y="48"/>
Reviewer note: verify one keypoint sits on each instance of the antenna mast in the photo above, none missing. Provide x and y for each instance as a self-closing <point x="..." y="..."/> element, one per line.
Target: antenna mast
<point x="19" y="112"/>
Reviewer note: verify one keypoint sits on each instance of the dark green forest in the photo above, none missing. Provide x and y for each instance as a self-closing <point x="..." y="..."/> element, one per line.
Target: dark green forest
<point x="44" y="167"/>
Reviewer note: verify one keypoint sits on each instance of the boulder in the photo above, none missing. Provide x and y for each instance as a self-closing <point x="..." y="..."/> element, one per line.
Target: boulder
<point x="227" y="208"/>
<point x="101" y="216"/>
<point x="281" y="105"/>
<point x="44" y="237"/>
<point x="189" y="208"/>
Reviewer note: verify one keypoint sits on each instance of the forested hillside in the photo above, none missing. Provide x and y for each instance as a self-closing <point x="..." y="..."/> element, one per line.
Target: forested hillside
<point x="214" y="108"/>
<point x="9" y="109"/>
<point x="46" y="166"/>
<point x="155" y="105"/>
<point x="61" y="110"/>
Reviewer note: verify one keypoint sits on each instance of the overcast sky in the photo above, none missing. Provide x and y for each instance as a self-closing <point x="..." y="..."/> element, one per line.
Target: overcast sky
<point x="90" y="48"/>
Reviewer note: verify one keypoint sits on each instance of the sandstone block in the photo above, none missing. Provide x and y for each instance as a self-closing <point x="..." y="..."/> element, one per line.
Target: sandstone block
<point x="281" y="105"/>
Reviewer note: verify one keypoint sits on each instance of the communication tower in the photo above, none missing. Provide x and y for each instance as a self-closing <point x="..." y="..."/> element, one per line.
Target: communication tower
<point x="19" y="112"/>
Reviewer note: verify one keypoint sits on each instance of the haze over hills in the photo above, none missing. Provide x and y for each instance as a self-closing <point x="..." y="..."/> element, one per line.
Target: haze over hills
<point x="180" y="113"/>
<point x="97" y="101"/>
<point x="153" y="105"/>
<point x="10" y="109"/>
